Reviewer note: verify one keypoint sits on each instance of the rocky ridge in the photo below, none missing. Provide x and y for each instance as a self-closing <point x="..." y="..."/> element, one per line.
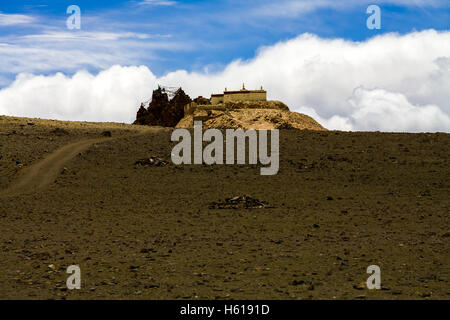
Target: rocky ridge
<point x="181" y="112"/>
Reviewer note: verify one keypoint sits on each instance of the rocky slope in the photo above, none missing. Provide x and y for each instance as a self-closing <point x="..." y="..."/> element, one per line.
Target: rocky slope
<point x="250" y="115"/>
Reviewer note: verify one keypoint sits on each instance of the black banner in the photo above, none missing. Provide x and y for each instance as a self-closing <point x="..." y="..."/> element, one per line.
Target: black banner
<point x="226" y="309"/>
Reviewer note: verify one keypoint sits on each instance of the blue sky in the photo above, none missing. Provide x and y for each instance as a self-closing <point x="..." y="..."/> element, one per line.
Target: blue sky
<point x="317" y="56"/>
<point x="198" y="35"/>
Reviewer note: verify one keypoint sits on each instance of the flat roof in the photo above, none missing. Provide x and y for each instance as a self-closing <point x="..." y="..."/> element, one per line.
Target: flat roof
<point x="238" y="92"/>
<point x="244" y="91"/>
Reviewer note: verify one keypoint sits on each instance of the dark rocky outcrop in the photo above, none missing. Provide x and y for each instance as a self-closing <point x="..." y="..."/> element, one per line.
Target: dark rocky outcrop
<point x="175" y="112"/>
<point x="202" y="101"/>
<point x="162" y="111"/>
<point x="60" y="132"/>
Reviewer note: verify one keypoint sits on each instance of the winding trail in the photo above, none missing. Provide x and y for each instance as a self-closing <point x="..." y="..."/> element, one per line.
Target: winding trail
<point x="39" y="175"/>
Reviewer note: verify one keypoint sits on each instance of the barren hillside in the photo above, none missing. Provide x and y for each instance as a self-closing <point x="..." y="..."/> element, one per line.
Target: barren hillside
<point x="249" y="115"/>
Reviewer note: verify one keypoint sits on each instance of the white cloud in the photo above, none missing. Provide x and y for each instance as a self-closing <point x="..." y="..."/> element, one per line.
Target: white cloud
<point x="71" y="51"/>
<point x="100" y="36"/>
<point x="381" y="110"/>
<point x="14" y="19"/>
<point x="112" y="95"/>
<point x="292" y="8"/>
<point x="389" y="83"/>
<point x="158" y="2"/>
<point x="389" y="111"/>
<point x="321" y="74"/>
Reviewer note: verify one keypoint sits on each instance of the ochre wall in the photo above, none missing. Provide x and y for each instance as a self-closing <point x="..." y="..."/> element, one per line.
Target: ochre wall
<point x="256" y="95"/>
<point x="249" y="96"/>
<point x="216" y="100"/>
<point x="190" y="108"/>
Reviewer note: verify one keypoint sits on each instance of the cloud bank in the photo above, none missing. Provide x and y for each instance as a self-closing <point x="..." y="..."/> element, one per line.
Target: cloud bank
<point x="388" y="83"/>
<point x="14" y="19"/>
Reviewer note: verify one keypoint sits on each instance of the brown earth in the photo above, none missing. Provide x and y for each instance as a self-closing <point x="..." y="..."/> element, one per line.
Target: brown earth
<point x="24" y="141"/>
<point x="340" y="202"/>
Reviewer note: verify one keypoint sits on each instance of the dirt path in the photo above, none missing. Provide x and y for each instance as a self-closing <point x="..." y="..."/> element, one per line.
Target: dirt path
<point x="41" y="174"/>
<point x="44" y="172"/>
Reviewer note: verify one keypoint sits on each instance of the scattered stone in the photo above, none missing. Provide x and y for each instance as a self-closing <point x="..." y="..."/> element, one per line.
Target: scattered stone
<point x="277" y="241"/>
<point x="301" y="282"/>
<point x="152" y="161"/>
<point x="360" y="286"/>
<point x="30" y="123"/>
<point x="134" y="268"/>
<point x="239" y="202"/>
<point x="60" y="132"/>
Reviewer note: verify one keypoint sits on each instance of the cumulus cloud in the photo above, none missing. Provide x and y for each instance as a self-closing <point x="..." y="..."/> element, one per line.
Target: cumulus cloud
<point x="310" y="73"/>
<point x="390" y="83"/>
<point x="14" y="19"/>
<point x="111" y="95"/>
<point x="386" y="110"/>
